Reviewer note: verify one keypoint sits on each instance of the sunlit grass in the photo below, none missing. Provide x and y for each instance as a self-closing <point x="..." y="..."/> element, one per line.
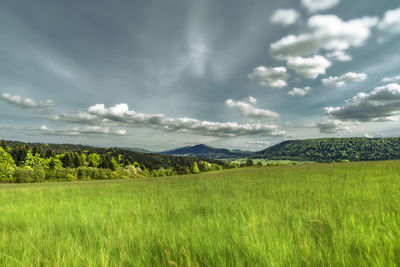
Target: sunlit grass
<point x="309" y="215"/>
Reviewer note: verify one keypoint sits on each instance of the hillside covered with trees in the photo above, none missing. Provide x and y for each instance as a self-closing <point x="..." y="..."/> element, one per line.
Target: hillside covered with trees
<point x="34" y="162"/>
<point x="205" y="151"/>
<point x="334" y="149"/>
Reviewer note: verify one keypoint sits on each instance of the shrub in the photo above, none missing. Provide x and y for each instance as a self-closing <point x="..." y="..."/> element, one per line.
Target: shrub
<point x="249" y="163"/>
<point x="90" y="173"/>
<point x="70" y="177"/>
<point x="63" y="174"/>
<point x="204" y="166"/>
<point x="23" y="175"/>
<point x="39" y="175"/>
<point x="123" y="173"/>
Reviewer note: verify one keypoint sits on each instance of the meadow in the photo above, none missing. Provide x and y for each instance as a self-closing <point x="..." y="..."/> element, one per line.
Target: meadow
<point x="271" y="162"/>
<point x="345" y="214"/>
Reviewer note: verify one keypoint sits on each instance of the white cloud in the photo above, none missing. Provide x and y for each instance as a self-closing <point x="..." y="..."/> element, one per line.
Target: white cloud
<point x="310" y="67"/>
<point x="257" y="144"/>
<point x="25" y="103"/>
<point x="80" y="117"/>
<point x="318" y="5"/>
<point x="120" y="132"/>
<point x="285" y="16"/>
<point x="391" y="79"/>
<point x="339" y="55"/>
<point x="251" y="100"/>
<point x="248" y="110"/>
<point x="274" y="77"/>
<point x="326" y="32"/>
<point x="391" y="21"/>
<point x="343" y="80"/>
<point x="114" y="113"/>
<point x="299" y="91"/>
<point x="91" y="130"/>
<point x="332" y="126"/>
<point x="121" y="115"/>
<point x="382" y="104"/>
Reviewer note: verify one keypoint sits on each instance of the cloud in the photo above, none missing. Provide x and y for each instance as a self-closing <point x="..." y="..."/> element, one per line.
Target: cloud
<point x="91" y="130"/>
<point x="326" y="32"/>
<point x="285" y="17"/>
<point x="120" y="132"/>
<point x="310" y="67"/>
<point x="299" y="91"/>
<point x="391" y="21"/>
<point x="391" y="79"/>
<point x="257" y="144"/>
<point x="80" y="117"/>
<point x="318" y="5"/>
<point x="274" y="77"/>
<point x="25" y="103"/>
<point x="382" y="104"/>
<point x="339" y="55"/>
<point x="251" y="100"/>
<point x="344" y="79"/>
<point x="332" y="126"/>
<point x="248" y="110"/>
<point x="121" y="115"/>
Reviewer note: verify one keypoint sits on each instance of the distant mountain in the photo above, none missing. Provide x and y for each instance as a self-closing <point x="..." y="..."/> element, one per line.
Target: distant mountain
<point x="333" y="149"/>
<point x="204" y="151"/>
<point x="136" y="149"/>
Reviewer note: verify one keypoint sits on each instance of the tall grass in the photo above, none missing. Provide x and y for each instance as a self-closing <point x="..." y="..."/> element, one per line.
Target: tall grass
<point x="309" y="215"/>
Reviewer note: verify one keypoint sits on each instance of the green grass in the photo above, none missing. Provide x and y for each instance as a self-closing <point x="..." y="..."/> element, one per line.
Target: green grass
<point x="309" y="215"/>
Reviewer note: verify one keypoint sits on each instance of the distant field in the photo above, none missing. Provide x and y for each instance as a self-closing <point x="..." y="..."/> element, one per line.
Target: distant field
<point x="267" y="162"/>
<point x="310" y="215"/>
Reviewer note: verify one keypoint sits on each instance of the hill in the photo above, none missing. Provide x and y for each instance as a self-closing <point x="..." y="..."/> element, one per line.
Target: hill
<point x="204" y="151"/>
<point x="136" y="149"/>
<point x="334" y="149"/>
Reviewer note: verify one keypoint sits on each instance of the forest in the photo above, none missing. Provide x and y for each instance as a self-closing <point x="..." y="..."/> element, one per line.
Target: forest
<point x="34" y="162"/>
<point x="334" y="149"/>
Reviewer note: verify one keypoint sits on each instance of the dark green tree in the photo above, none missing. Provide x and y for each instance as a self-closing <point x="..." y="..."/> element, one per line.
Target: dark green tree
<point x="249" y="163"/>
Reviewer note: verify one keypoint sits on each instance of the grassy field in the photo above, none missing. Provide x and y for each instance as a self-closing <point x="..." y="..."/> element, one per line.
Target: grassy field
<point x="309" y="215"/>
<point x="267" y="162"/>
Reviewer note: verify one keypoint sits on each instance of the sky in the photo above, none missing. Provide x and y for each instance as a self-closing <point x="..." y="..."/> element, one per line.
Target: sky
<point x="161" y="74"/>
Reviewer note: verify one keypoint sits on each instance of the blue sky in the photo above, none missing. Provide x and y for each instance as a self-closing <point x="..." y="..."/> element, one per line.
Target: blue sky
<point x="168" y="73"/>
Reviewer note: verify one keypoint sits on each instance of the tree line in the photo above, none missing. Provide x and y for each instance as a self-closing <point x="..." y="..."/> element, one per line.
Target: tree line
<point x="335" y="149"/>
<point x="35" y="162"/>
